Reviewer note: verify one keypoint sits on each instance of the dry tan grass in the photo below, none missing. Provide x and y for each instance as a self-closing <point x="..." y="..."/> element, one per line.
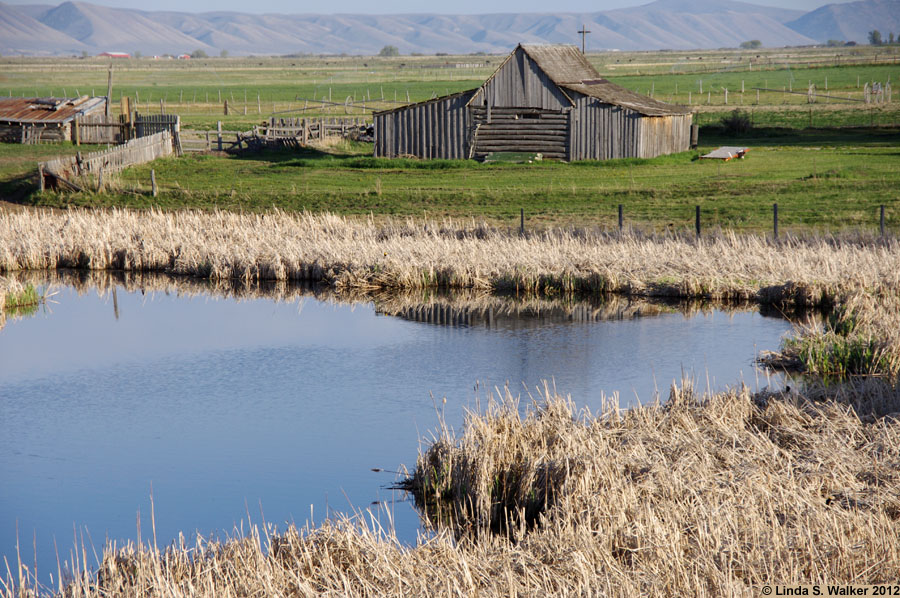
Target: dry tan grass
<point x="360" y="254"/>
<point x="702" y="496"/>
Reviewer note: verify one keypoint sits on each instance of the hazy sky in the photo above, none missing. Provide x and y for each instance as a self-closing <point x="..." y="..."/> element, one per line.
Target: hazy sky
<point x="401" y="6"/>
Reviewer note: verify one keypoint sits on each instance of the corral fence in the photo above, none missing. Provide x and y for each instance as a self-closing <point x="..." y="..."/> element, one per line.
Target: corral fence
<point x="275" y="133"/>
<point x="77" y="172"/>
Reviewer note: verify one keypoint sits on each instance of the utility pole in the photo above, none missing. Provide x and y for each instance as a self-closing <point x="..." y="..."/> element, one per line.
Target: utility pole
<point x="584" y="31"/>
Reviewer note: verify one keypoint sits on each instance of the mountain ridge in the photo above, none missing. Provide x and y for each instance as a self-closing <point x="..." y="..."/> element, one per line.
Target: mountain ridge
<point x="75" y="26"/>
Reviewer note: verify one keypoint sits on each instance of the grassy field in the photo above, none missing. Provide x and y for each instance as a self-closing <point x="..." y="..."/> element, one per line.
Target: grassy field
<point x="259" y="87"/>
<point x="825" y="181"/>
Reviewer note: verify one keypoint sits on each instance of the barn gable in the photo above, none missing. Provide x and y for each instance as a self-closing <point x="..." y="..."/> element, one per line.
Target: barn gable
<point x="521" y="81"/>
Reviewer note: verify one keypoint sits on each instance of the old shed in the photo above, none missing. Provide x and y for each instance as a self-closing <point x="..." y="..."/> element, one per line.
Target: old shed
<point x="542" y="98"/>
<point x="31" y="120"/>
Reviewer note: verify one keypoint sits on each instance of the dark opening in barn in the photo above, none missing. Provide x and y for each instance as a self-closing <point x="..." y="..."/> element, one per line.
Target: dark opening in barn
<point x="542" y="99"/>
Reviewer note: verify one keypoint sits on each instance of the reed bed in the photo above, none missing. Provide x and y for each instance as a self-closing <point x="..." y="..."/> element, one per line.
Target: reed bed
<point x="360" y="254"/>
<point x="703" y="496"/>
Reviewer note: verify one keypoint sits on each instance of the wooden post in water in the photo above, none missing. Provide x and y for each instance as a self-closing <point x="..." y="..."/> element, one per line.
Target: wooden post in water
<point x="697" y="224"/>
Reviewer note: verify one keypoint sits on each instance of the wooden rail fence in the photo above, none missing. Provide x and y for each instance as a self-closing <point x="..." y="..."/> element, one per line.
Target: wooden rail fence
<point x="62" y="173"/>
<point x="276" y="132"/>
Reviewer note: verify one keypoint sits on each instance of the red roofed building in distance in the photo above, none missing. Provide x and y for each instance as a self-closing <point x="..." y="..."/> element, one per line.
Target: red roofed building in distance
<point x="115" y="55"/>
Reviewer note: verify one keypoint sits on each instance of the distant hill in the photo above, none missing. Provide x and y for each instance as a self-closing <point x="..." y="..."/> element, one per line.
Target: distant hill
<point x="850" y="22"/>
<point x="118" y="29"/>
<point x="73" y="27"/>
<point x="22" y="34"/>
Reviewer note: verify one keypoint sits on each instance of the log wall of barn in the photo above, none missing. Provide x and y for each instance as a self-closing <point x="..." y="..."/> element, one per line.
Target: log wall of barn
<point x="521" y="130"/>
<point x="440" y="128"/>
<point x="520" y="83"/>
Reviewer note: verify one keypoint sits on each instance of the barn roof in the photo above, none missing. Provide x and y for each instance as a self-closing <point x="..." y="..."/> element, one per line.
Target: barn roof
<point x="570" y="70"/>
<point x="428" y="101"/>
<point x="610" y="93"/>
<point x="563" y="64"/>
<point x="46" y="110"/>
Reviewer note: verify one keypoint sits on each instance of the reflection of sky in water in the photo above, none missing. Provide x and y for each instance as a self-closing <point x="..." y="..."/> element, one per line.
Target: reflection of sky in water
<point x="224" y="406"/>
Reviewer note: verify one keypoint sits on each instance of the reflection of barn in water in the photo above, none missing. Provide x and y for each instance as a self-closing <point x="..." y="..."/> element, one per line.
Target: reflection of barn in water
<point x="508" y="314"/>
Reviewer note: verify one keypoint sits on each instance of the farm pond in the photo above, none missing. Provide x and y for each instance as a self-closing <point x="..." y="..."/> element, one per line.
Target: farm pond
<point x="232" y="406"/>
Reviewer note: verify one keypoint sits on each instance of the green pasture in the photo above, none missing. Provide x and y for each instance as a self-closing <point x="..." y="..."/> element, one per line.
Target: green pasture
<point x="823" y="182"/>
<point x="257" y="88"/>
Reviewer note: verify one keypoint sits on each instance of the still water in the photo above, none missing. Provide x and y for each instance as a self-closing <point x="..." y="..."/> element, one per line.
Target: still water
<point x="228" y="409"/>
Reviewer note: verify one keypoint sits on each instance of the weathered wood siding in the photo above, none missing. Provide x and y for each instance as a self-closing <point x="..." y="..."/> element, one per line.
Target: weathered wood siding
<point x="664" y="135"/>
<point x="519" y="82"/>
<point x="96" y="127"/>
<point x="604" y="131"/>
<point x="439" y="128"/>
<point x="521" y="130"/>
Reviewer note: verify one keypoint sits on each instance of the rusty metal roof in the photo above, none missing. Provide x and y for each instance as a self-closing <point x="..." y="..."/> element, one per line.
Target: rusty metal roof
<point x="47" y="110"/>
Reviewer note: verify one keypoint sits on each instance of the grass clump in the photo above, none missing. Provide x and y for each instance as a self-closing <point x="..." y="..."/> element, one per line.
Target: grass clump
<point x="859" y="338"/>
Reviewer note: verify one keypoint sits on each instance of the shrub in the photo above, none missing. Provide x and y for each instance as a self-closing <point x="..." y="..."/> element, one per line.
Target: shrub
<point x="737" y="123"/>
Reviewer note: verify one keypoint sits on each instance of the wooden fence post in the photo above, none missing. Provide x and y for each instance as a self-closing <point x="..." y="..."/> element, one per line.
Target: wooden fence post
<point x="41" y="187"/>
<point x="521" y="221"/>
<point x="219" y="134"/>
<point x="697" y="223"/>
<point x="153" y="188"/>
<point x="881" y="221"/>
<point x="620" y="218"/>
<point x="775" y="219"/>
<point x="100" y="180"/>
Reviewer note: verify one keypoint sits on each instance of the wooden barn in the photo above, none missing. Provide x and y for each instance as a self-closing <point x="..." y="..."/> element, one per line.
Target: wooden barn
<point x="546" y="99"/>
<point x="32" y="120"/>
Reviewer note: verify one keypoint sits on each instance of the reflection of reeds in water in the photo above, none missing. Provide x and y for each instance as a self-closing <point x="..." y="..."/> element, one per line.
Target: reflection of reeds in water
<point x="506" y="311"/>
<point x="465" y="307"/>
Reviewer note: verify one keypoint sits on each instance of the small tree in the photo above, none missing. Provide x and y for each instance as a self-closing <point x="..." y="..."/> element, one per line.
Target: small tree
<point x="751" y="44"/>
<point x="389" y="51"/>
<point x="875" y="37"/>
<point x="199" y="54"/>
<point x="223" y="54"/>
<point x="137" y="54"/>
<point x="835" y="43"/>
<point x="891" y="37"/>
